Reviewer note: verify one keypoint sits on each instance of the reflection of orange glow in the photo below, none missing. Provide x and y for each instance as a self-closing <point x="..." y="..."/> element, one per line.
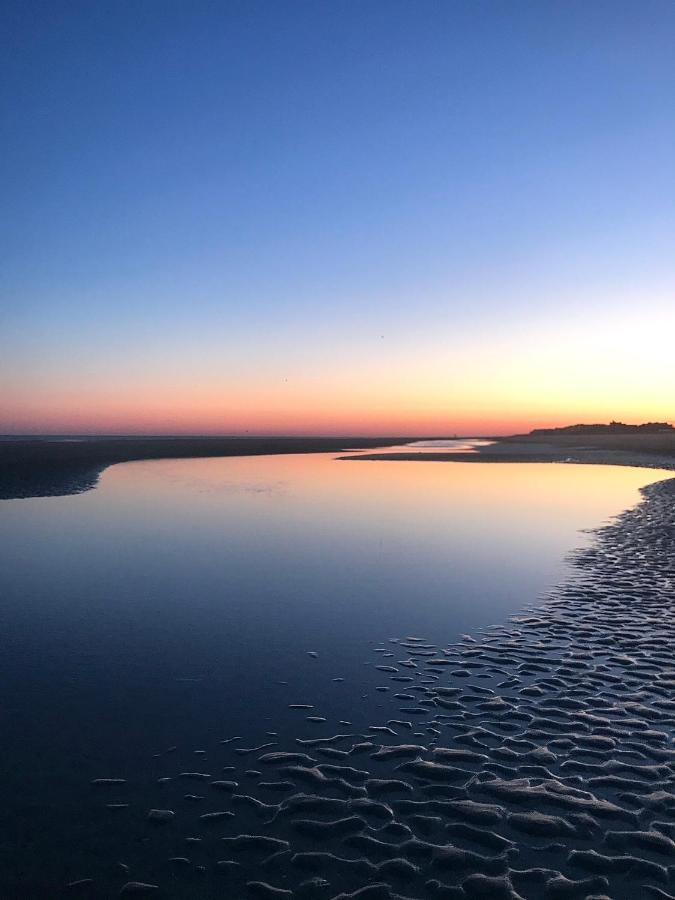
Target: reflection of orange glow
<point x="399" y="488"/>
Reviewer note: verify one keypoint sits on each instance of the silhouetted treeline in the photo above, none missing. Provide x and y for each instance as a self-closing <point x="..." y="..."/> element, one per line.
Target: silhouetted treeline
<point x="612" y="428"/>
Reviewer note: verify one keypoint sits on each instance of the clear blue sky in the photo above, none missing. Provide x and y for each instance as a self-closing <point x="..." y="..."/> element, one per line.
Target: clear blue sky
<point x="225" y="215"/>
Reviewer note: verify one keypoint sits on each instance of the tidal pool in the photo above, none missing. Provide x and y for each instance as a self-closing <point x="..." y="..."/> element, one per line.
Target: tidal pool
<point x="185" y="601"/>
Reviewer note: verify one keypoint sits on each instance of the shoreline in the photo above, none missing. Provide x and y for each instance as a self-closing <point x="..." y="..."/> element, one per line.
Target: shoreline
<point x="534" y="759"/>
<point x="52" y="467"/>
<point x="643" y="451"/>
<point x="43" y="467"/>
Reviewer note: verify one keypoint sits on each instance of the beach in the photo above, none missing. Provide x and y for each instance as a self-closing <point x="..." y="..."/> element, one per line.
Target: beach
<point x="532" y="759"/>
<point x="337" y="451"/>
<point x="644" y="450"/>
<point x="48" y="467"/>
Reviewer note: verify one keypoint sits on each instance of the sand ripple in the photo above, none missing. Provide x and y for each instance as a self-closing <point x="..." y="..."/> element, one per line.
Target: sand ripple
<point x="534" y="760"/>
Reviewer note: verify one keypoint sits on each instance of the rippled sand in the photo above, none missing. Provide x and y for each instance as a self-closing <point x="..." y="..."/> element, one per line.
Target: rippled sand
<point x="534" y="760"/>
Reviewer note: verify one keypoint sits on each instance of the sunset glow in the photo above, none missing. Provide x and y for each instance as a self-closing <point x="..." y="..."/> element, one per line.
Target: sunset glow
<point x="560" y="373"/>
<point x="337" y="444"/>
<point x="389" y="222"/>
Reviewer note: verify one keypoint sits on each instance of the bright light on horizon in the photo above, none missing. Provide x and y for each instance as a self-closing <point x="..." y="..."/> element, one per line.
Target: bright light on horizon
<point x="386" y="221"/>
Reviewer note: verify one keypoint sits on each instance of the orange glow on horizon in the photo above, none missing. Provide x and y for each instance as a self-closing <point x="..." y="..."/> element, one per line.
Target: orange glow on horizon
<point x="385" y="422"/>
<point x="490" y="384"/>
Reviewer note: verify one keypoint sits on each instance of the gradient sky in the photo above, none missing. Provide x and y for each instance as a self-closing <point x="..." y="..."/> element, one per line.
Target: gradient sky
<point x="330" y="217"/>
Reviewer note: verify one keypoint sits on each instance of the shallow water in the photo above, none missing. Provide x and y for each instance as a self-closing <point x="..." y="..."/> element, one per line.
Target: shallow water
<point x="165" y="607"/>
<point x="450" y="445"/>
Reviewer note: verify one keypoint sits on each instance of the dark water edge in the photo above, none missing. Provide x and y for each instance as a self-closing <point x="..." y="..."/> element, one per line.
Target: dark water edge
<point x="42" y="467"/>
<point x="533" y="759"/>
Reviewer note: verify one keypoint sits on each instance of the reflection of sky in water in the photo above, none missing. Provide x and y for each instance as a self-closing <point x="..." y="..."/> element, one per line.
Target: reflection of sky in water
<point x="327" y="552"/>
<point x="166" y="605"/>
<point x="451" y="445"/>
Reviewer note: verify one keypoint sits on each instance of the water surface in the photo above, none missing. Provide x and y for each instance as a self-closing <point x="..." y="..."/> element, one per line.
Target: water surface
<point x="445" y="445"/>
<point x="180" y="601"/>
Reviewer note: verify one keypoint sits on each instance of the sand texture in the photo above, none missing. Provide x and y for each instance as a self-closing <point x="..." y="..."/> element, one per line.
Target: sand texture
<point x="655" y="451"/>
<point x="532" y="760"/>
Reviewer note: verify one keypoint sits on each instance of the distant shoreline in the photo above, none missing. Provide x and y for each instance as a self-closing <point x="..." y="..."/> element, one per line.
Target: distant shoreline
<point x="653" y="451"/>
<point x="53" y="466"/>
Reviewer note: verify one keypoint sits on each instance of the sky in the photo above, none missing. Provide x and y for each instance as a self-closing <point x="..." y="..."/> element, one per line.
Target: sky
<point x="393" y="218"/>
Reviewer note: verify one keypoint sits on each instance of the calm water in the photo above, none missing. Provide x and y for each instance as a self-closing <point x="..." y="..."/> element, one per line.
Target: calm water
<point x="451" y="445"/>
<point x="178" y="602"/>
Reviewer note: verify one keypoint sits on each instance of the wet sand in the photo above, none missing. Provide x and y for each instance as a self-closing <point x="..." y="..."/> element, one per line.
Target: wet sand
<point x="45" y="467"/>
<point x="644" y="450"/>
<point x="532" y="760"/>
